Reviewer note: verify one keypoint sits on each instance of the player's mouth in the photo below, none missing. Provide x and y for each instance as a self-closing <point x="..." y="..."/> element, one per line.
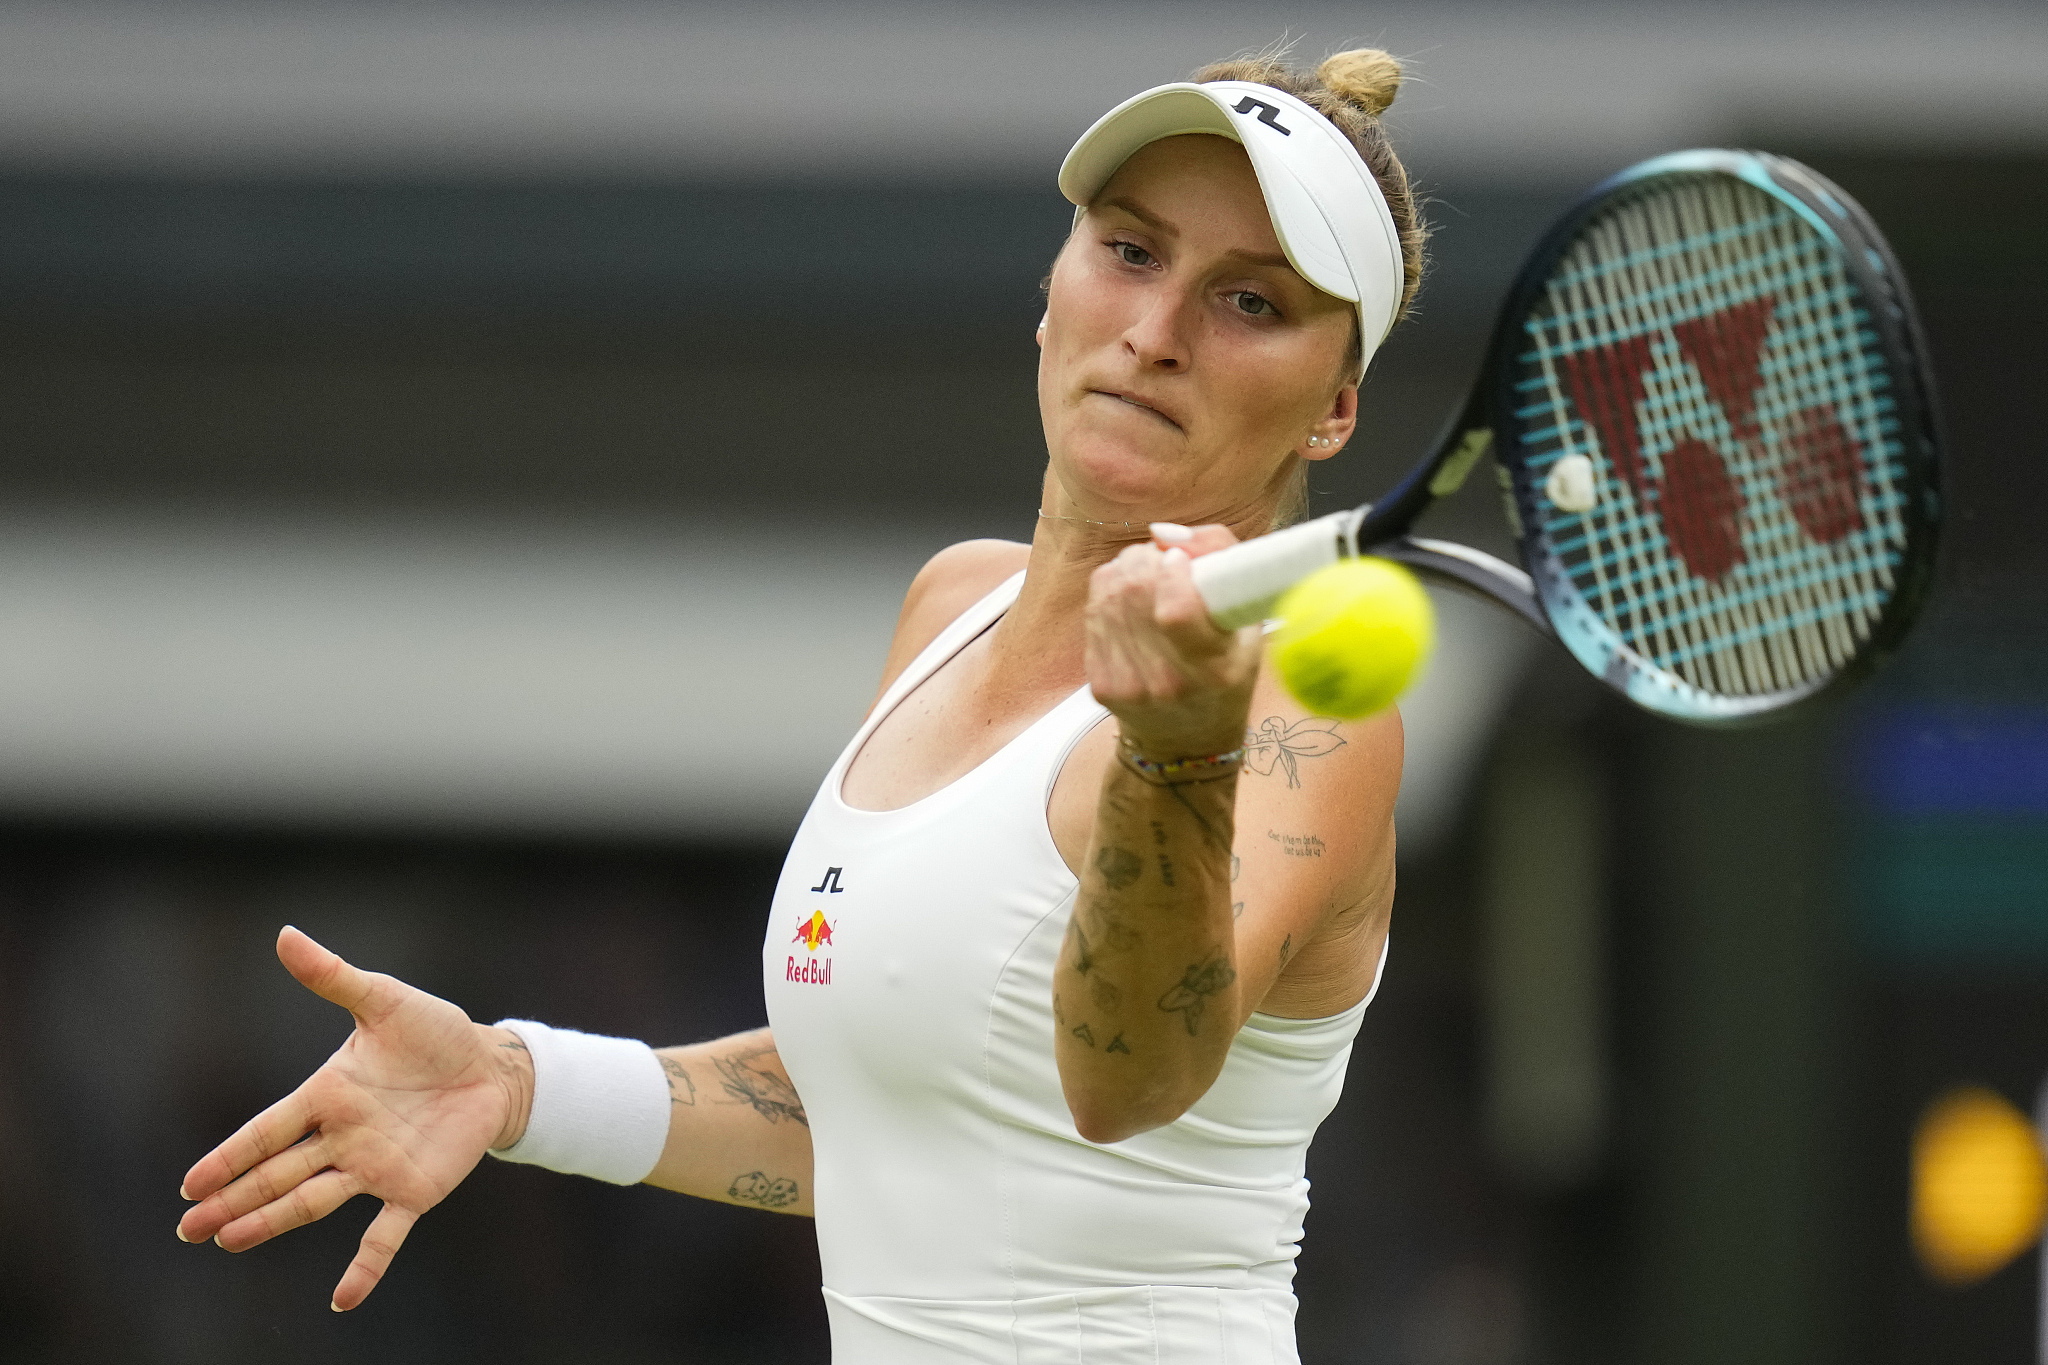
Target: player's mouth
<point x="1134" y="401"/>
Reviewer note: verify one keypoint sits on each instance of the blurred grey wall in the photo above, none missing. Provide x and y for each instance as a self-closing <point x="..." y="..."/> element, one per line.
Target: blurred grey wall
<point x="433" y="416"/>
<point x="1540" y="92"/>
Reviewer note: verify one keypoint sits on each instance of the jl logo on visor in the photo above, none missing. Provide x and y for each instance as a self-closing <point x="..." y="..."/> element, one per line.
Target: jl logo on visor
<point x="1268" y="114"/>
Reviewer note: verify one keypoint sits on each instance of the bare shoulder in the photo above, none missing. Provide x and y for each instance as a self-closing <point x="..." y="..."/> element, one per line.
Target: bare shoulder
<point x="951" y="581"/>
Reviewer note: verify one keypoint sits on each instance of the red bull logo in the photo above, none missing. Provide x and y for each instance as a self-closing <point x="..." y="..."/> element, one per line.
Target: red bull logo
<point x="813" y="931"/>
<point x="809" y="972"/>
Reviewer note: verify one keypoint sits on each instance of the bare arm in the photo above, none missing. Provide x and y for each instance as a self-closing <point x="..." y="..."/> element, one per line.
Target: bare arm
<point x="1201" y="902"/>
<point x="737" y="1130"/>
<point x="1146" y="993"/>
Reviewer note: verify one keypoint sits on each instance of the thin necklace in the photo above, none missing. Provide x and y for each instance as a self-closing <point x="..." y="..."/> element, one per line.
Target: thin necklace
<point x="1089" y="521"/>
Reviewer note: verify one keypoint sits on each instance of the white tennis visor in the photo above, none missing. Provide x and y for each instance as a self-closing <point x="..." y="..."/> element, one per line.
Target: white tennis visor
<point x="1327" y="210"/>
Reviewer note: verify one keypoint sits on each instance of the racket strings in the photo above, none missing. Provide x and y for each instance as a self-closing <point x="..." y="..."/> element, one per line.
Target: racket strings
<point x="1826" y="334"/>
<point x="1767" y="660"/>
<point x="1702" y="344"/>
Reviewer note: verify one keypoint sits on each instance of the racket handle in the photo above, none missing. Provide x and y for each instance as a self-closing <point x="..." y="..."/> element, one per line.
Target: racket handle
<point x="1240" y="585"/>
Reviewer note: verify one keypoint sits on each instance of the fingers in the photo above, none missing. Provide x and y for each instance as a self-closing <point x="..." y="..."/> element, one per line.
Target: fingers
<point x="1158" y="588"/>
<point x="1153" y="654"/>
<point x="1196" y="540"/>
<point x="306" y="1202"/>
<point x="1178" y="608"/>
<point x="268" y="1182"/>
<point x="289" y="1191"/>
<point x="1124" y="599"/>
<point x="367" y="995"/>
<point x="1117" y="669"/>
<point x="269" y="1133"/>
<point x="386" y="1235"/>
<point x="1126" y="656"/>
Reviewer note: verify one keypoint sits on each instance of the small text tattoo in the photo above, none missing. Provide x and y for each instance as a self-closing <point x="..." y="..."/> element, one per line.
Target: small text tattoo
<point x="1117" y="1044"/>
<point x="1286" y="947"/>
<point x="772" y="1097"/>
<point x="1191" y="995"/>
<point x="1084" y="1033"/>
<point x="756" y="1188"/>
<point x="514" y="1046"/>
<point x="1059" y="1016"/>
<point x="1165" y="863"/>
<point x="1119" y="867"/>
<point x="1084" y="960"/>
<point x="681" y="1089"/>
<point x="1297" y="845"/>
<point x="1276" y="744"/>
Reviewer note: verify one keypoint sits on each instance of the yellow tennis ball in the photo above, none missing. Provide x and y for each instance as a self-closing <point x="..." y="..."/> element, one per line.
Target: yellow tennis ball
<point x="1980" y="1185"/>
<point x="1352" y="636"/>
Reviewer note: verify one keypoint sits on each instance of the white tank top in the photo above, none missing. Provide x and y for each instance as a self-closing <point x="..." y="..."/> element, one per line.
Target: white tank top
<point x="960" y="1216"/>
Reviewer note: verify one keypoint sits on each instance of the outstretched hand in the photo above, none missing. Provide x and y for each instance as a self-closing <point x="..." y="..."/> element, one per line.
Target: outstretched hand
<point x="403" y="1111"/>
<point x="1177" y="685"/>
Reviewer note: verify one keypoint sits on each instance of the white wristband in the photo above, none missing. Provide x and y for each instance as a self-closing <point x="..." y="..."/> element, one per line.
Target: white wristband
<point x="600" y="1105"/>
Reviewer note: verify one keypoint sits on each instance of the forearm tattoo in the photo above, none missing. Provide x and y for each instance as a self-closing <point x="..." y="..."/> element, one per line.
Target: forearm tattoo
<point x="681" y="1089"/>
<point x="756" y="1188"/>
<point x="1189" y="997"/>
<point x="773" y="1098"/>
<point x="1085" y="1032"/>
<point x="1119" y="867"/>
<point x="1215" y="837"/>
<point x="1140" y="850"/>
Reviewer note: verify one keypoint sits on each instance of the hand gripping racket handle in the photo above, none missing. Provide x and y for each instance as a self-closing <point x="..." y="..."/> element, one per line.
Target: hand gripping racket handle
<point x="1240" y="585"/>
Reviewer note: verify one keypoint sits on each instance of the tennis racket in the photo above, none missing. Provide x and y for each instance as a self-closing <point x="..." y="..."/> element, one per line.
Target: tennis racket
<point x="1708" y="401"/>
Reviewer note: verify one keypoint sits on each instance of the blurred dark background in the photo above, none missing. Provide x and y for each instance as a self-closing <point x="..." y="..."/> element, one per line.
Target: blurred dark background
<point x="461" y="462"/>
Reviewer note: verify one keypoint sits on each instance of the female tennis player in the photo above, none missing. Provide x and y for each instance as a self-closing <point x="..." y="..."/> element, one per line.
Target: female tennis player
<point x="1065" y="964"/>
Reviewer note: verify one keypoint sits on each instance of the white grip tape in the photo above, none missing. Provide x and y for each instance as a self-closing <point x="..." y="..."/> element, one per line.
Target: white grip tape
<point x="600" y="1105"/>
<point x="1240" y="585"/>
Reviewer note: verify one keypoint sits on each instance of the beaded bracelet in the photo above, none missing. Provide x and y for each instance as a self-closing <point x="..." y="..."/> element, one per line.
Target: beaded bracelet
<point x="1178" y="770"/>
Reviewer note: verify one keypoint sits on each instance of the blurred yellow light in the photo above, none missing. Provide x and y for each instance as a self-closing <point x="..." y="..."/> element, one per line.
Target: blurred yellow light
<point x="1980" y="1185"/>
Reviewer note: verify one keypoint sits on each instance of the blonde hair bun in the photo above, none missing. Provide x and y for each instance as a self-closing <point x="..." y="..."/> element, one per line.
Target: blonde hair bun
<point x="1350" y="90"/>
<point x="1365" y="76"/>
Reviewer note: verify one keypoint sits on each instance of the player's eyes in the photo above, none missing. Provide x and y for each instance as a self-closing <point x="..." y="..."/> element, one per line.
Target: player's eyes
<point x="1253" y="303"/>
<point x="1131" y="253"/>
